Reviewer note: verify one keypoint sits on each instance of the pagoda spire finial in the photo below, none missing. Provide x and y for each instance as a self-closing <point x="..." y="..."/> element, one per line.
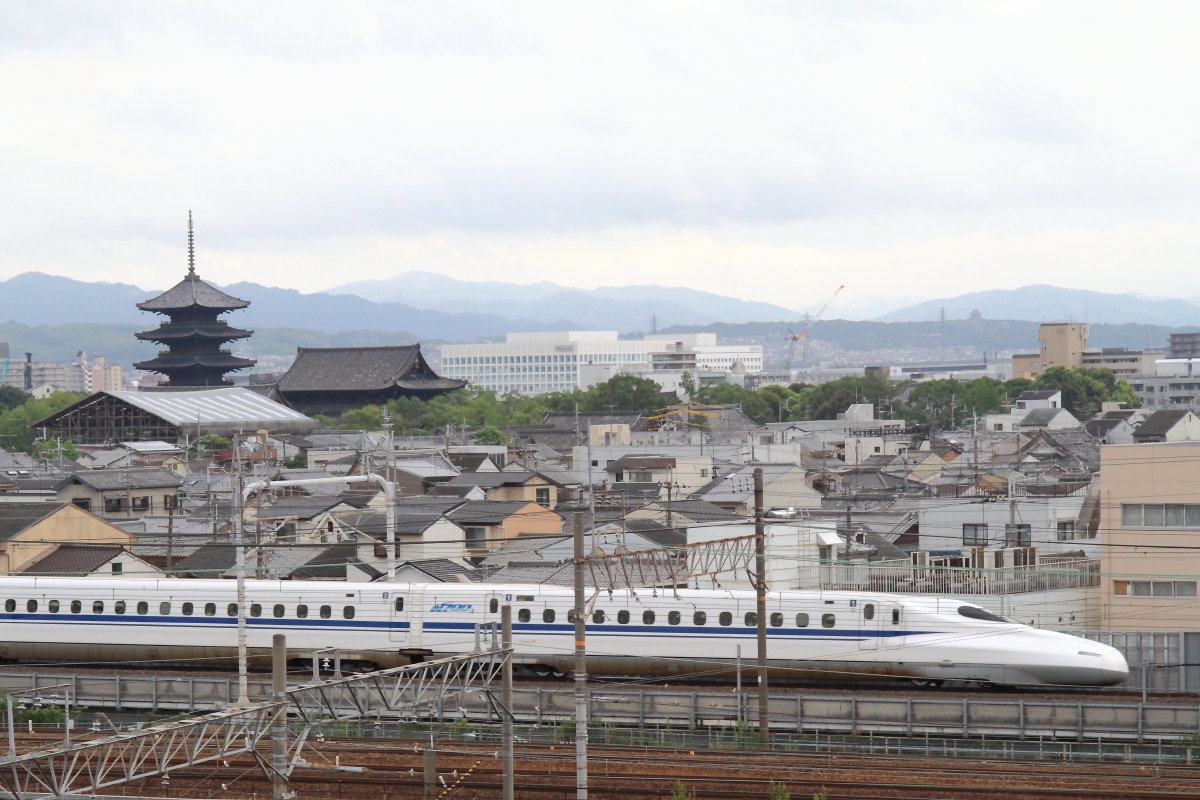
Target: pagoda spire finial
<point x="191" y="247"/>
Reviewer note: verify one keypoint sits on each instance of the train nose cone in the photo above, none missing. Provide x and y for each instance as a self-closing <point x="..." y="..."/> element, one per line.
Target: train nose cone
<point x="1104" y="665"/>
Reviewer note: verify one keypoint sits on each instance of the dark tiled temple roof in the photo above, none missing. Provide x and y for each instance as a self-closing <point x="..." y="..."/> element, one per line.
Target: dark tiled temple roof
<point x="322" y="369"/>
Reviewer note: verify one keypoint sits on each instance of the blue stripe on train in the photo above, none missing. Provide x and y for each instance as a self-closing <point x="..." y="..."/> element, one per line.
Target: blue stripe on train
<point x="435" y="627"/>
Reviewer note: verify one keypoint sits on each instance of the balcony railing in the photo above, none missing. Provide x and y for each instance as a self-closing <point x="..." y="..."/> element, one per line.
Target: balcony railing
<point x="904" y="577"/>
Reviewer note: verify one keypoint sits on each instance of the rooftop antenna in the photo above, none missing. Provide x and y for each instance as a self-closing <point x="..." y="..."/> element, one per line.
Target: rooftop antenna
<point x="191" y="247"/>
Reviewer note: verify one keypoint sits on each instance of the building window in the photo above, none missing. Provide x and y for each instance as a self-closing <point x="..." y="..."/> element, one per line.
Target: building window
<point x="117" y="568"/>
<point x="542" y="496"/>
<point x="974" y="534"/>
<point x="1018" y="535"/>
<point x="1066" y="530"/>
<point x="1155" y="588"/>
<point x="476" y="538"/>
<point x="1160" y="515"/>
<point x="113" y="505"/>
<point x="82" y="502"/>
<point x="140" y="503"/>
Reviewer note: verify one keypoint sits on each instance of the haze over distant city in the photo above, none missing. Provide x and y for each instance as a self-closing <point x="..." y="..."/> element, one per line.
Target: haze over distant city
<point x="767" y="151"/>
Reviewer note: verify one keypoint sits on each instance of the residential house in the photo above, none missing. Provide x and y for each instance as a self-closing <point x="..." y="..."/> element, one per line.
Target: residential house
<point x="784" y="486"/>
<point x="90" y="561"/>
<point x="122" y="493"/>
<point x="30" y="531"/>
<point x="1168" y="425"/>
<point x="523" y="486"/>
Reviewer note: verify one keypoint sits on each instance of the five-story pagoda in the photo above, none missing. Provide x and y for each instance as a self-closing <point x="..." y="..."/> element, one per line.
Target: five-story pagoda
<point x="194" y="335"/>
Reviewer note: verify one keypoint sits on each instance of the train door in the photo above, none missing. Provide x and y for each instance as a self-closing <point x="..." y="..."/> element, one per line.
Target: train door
<point x="870" y="620"/>
<point x="879" y="622"/>
<point x="413" y="613"/>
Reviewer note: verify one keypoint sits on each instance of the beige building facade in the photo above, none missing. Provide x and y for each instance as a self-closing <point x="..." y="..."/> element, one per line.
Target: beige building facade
<point x="1150" y="536"/>
<point x="1060" y="344"/>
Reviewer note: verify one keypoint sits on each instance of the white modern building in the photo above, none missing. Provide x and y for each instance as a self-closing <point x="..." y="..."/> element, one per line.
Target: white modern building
<point x="531" y="363"/>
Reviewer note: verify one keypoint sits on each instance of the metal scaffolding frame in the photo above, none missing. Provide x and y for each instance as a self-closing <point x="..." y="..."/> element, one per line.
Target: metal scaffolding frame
<point x="430" y="688"/>
<point x="123" y="757"/>
<point x="671" y="568"/>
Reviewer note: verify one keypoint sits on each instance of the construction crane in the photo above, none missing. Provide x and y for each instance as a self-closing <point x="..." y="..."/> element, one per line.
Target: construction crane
<point x="793" y="338"/>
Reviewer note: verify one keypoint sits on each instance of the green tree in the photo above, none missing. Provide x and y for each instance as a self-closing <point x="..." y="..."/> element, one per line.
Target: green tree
<point x="1085" y="388"/>
<point x="626" y="393"/>
<point x="16" y="422"/>
<point x="54" y="450"/>
<point x="11" y="397"/>
<point x="489" y="435"/>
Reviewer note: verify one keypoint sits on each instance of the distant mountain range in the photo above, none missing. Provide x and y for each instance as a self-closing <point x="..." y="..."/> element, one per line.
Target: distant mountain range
<point x="1053" y="304"/>
<point x="439" y="308"/>
<point x="624" y="308"/>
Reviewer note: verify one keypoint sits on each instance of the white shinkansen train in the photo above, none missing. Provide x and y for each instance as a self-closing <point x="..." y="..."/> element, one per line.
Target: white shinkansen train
<point x="810" y="634"/>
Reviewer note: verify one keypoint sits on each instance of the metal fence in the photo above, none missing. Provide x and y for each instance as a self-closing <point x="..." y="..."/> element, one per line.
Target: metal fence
<point x="895" y="715"/>
<point x="903" y="576"/>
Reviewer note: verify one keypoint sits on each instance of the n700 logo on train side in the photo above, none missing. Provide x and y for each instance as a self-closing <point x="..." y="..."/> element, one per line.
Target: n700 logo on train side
<point x="452" y="607"/>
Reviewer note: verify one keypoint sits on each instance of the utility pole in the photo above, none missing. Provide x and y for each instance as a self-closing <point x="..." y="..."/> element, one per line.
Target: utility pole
<point x="760" y="592"/>
<point x="279" y="728"/>
<point x="581" y="710"/>
<point x="506" y="700"/>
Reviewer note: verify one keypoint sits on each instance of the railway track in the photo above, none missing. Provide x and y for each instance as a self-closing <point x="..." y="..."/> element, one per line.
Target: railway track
<point x="380" y="771"/>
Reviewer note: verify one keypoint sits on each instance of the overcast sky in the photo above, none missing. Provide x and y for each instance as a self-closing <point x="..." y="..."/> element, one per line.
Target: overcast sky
<point x="768" y="151"/>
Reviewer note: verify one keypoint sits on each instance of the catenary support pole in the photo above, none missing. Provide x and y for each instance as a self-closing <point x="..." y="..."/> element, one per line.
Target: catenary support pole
<point x="506" y="698"/>
<point x="279" y="729"/>
<point x="581" y="710"/>
<point x="760" y="591"/>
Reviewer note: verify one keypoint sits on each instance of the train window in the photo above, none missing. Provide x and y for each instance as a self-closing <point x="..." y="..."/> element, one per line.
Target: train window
<point x="10" y="605"/>
<point x="187" y="609"/>
<point x="647" y="617"/>
<point x="971" y="612"/>
<point x="523" y="615"/>
<point x="256" y="609"/>
<point x="400" y="604"/>
<point x="31" y="606"/>
<point x="493" y="605"/>
<point x="895" y="616"/>
<point x="301" y="611"/>
<point x="828" y="620"/>
<point x="143" y="607"/>
<point x="674" y="617"/>
<point x="164" y="607"/>
<point x="231" y="610"/>
<point x="278" y="610"/>
<point x="548" y="615"/>
<point x="802" y="620"/>
<point x="326" y="612"/>
<point x="97" y="606"/>
<point x="52" y="606"/>
<point x="699" y="618"/>
<point x="598" y="617"/>
<point x="726" y="618"/>
<point x="210" y="609"/>
<point x="869" y="611"/>
<point x="76" y="606"/>
<point x="348" y="612"/>
<point x="119" y="607"/>
<point x="776" y="620"/>
<point x="751" y="618"/>
<point x="623" y="617"/>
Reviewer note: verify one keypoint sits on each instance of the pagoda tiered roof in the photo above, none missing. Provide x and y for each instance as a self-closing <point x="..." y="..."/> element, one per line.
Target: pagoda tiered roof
<point x="192" y="292"/>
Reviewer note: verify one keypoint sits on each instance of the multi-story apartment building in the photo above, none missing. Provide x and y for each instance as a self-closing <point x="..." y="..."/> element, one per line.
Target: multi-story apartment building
<point x="531" y="363"/>
<point x="79" y="376"/>
<point x="1149" y="520"/>
<point x="1061" y="344"/>
<point x="1123" y="363"/>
